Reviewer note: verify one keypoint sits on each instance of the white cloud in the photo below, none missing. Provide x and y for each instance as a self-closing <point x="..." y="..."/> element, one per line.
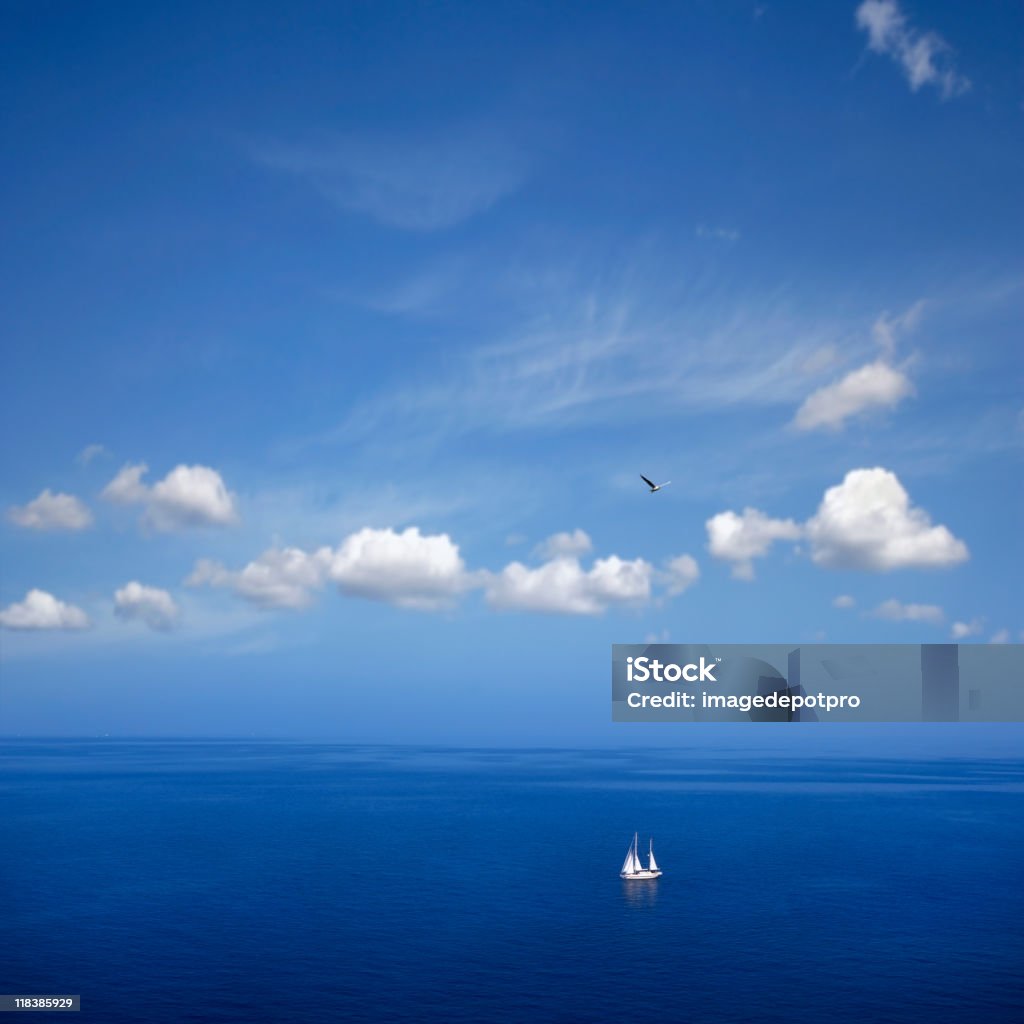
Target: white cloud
<point x="90" y="452"/>
<point x="563" y="586"/>
<point x="418" y="184"/>
<point x="579" y="351"/>
<point x="876" y="385"/>
<point x="279" y="578"/>
<point x="843" y="601"/>
<point x="894" y="611"/>
<point x="962" y="630"/>
<point x="742" y="538"/>
<point x="1002" y="637"/>
<point x="887" y="329"/>
<point x="868" y="522"/>
<point x="571" y="544"/>
<point x="151" y="605"/>
<point x="187" y="496"/>
<point x="924" y="56"/>
<point x="52" y="512"/>
<point x="407" y="569"/>
<point x="717" y="233"/>
<point x="681" y="573"/>
<point x="41" y="610"/>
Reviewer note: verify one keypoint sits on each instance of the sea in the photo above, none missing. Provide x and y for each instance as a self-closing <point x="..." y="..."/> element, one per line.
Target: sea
<point x="275" y="881"/>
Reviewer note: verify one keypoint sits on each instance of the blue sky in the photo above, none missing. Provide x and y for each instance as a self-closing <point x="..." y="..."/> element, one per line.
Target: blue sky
<point x="336" y="337"/>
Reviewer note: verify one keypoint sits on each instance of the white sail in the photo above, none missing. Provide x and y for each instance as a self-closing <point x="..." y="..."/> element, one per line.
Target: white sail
<point x="652" y="864"/>
<point x="630" y="864"/>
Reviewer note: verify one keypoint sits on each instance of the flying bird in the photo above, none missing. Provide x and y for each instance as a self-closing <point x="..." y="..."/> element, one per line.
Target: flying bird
<point x="653" y="486"/>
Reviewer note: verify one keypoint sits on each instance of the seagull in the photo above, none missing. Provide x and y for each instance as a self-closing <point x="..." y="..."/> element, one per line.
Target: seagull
<point x="653" y="486"/>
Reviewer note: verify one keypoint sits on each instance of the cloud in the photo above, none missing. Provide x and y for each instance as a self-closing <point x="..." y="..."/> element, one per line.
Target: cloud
<point x="1002" y="637"/>
<point x="151" y="605"/>
<point x="894" y="611"/>
<point x="962" y="630"/>
<point x="887" y="329"/>
<point x="40" y="610"/>
<point x="924" y="56"/>
<point x="562" y="586"/>
<point x="868" y="522"/>
<point x="407" y="569"/>
<point x="279" y="578"/>
<point x="843" y="601"/>
<point x="719" y="234"/>
<point x="422" y="183"/>
<point x="742" y="538"/>
<point x="127" y="487"/>
<point x="187" y="496"/>
<point x="874" y="386"/>
<point x="52" y="512"/>
<point x="681" y="574"/>
<point x="571" y="544"/>
<point x="90" y="452"/>
<point x="570" y="353"/>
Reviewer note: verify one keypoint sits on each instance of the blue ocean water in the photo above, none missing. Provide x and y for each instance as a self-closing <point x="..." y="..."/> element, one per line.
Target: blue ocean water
<point x="200" y="881"/>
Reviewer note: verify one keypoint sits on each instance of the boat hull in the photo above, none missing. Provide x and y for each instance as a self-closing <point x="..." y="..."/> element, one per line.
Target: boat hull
<point x="639" y="876"/>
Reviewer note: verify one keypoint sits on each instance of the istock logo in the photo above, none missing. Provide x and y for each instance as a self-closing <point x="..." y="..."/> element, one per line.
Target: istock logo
<point x="639" y="670"/>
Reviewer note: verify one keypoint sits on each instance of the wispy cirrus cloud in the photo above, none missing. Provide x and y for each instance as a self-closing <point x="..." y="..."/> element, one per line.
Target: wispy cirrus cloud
<point x="588" y="351"/>
<point x="423" y="181"/>
<point x="925" y="57"/>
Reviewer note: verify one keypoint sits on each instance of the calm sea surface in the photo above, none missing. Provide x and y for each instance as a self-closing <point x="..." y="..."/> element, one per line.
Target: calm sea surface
<point x="302" y="882"/>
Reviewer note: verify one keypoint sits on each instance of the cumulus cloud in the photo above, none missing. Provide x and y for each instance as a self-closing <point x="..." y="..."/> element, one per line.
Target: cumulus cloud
<point x="410" y="569"/>
<point x="187" y="496"/>
<point x="895" y="611"/>
<point x="742" y="538"/>
<point x="52" y="512"/>
<point x="407" y="569"/>
<point x="874" y="386"/>
<point x="926" y="58"/>
<point x="563" y="586"/>
<point x="962" y="630"/>
<point x="1002" y="637"/>
<point x="41" y="610"/>
<point x="868" y="522"/>
<point x="151" y="605"/>
<point x="681" y="573"/>
<point x="571" y="544"/>
<point x="279" y="578"/>
<point x="843" y="601"/>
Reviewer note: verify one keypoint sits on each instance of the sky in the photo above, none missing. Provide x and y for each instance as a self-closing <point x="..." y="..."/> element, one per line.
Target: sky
<point x="335" y="338"/>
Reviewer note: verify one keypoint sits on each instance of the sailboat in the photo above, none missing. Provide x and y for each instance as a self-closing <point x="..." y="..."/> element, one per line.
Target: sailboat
<point x="632" y="868"/>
